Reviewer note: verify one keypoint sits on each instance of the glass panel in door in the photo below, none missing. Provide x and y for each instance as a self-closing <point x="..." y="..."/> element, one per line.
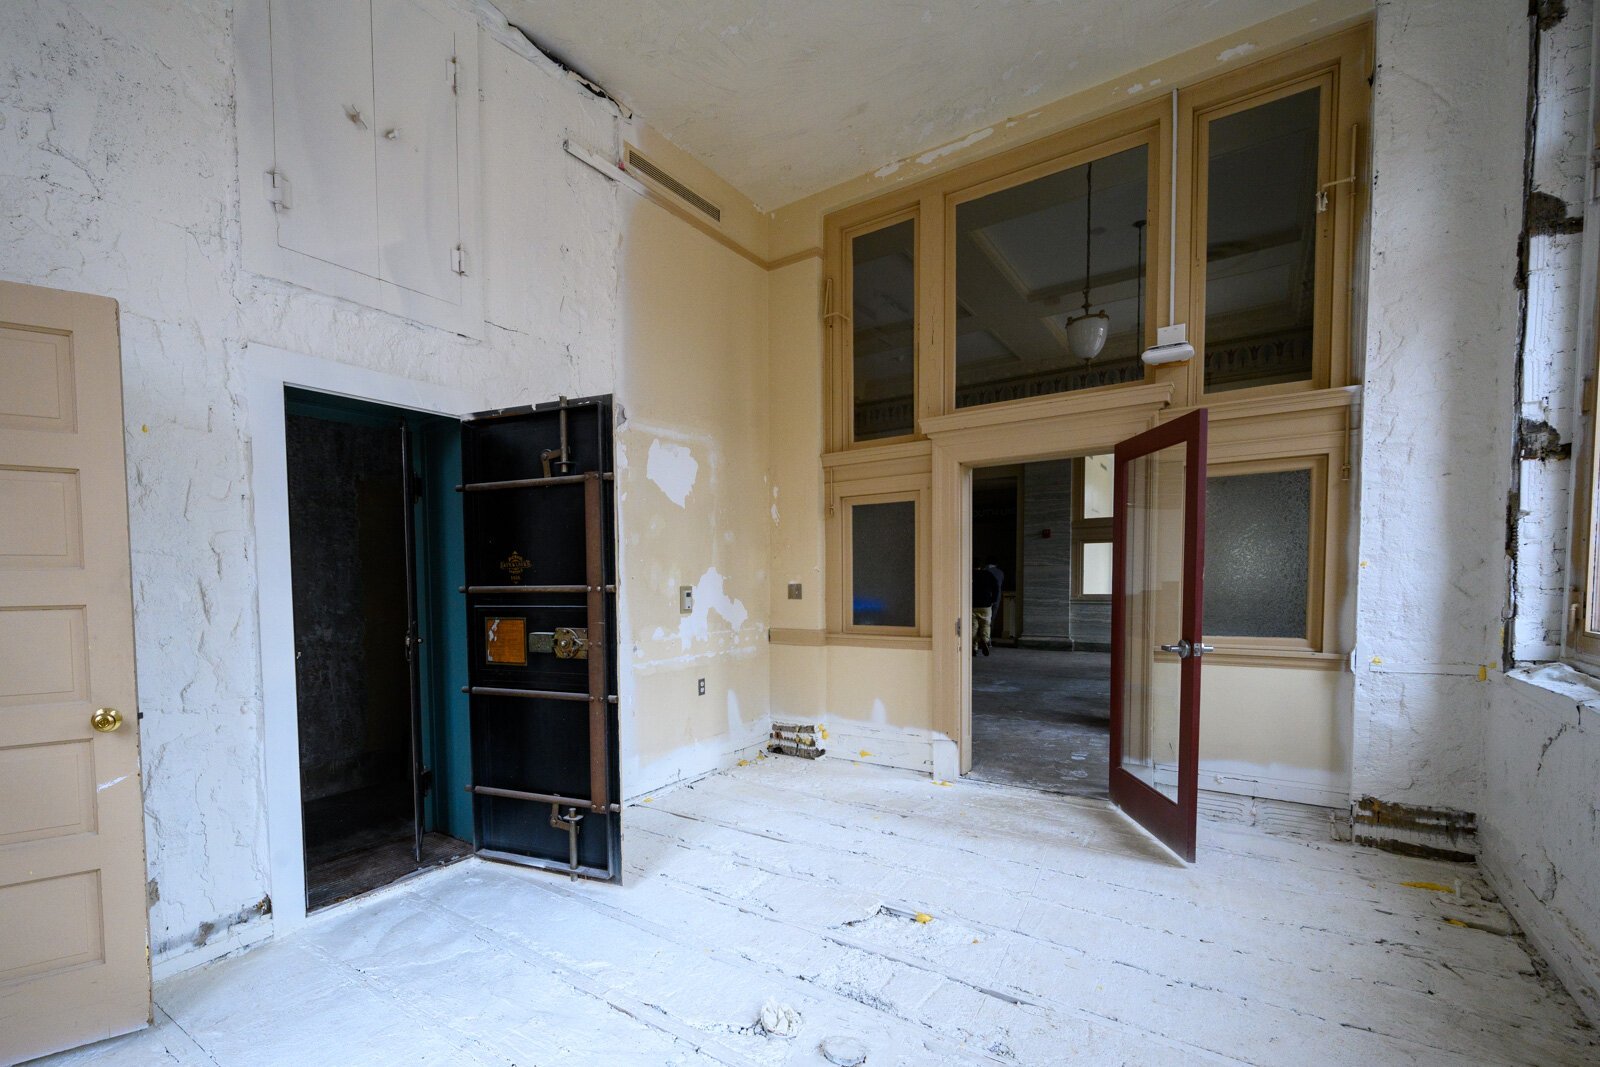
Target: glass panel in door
<point x="1158" y="556"/>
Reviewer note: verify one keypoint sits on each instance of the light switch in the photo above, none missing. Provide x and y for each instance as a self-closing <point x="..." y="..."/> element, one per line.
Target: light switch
<point x="685" y="600"/>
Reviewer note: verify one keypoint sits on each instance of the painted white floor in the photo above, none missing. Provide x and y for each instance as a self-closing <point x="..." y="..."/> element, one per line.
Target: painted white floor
<point x="1057" y="935"/>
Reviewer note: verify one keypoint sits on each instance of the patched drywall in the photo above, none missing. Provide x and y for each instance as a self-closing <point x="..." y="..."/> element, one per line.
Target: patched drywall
<point x="118" y="176"/>
<point x="694" y="500"/>
<point x="1447" y="151"/>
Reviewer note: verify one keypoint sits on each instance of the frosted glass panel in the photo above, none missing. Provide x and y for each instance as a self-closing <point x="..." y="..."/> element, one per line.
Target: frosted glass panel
<point x="1097" y="498"/>
<point x="883" y="330"/>
<point x="883" y="545"/>
<point x="1258" y="550"/>
<point x="1096" y="579"/>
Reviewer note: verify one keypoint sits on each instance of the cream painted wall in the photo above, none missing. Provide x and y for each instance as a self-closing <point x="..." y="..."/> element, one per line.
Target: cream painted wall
<point x="694" y="498"/>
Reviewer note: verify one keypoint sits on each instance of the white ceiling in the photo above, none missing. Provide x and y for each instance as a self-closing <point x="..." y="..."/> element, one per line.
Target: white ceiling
<point x="784" y="98"/>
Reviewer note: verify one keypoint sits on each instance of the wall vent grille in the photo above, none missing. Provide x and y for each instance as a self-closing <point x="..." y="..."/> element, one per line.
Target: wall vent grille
<point x="673" y="185"/>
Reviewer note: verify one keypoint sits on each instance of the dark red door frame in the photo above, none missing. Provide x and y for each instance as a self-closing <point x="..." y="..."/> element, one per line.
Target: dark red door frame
<point x="1172" y="823"/>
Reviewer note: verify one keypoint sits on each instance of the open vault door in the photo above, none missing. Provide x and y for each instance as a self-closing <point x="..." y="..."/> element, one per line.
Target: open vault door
<point x="1158" y="556"/>
<point x="541" y="618"/>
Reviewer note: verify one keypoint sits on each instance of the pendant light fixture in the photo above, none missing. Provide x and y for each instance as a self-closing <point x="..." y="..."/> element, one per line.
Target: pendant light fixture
<point x="1086" y="331"/>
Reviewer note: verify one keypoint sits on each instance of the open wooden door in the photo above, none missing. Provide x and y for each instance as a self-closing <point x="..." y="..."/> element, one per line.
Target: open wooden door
<point x="541" y="604"/>
<point x="1158" y="555"/>
<point x="74" y="965"/>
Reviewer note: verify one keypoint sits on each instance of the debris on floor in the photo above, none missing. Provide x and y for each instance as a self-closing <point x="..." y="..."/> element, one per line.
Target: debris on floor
<point x="844" y="1051"/>
<point x="779" y="1020"/>
<point x="796" y="739"/>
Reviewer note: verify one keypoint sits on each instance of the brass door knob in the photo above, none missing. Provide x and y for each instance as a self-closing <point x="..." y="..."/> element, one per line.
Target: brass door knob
<point x="105" y="719"/>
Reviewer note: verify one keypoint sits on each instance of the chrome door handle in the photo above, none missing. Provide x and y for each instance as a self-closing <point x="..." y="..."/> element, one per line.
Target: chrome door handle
<point x="1183" y="649"/>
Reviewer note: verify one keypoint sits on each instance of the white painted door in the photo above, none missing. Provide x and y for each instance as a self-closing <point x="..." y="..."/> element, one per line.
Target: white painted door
<point x="74" y="961"/>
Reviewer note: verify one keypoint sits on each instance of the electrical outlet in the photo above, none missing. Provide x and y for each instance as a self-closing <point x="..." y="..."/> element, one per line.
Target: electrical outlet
<point x="702" y="687"/>
<point x="685" y="600"/>
<point x="794" y="590"/>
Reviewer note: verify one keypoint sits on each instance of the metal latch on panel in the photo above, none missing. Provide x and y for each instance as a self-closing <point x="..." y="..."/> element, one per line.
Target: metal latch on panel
<point x="565" y="642"/>
<point x="277" y="189"/>
<point x="568" y="822"/>
<point x="458" y="260"/>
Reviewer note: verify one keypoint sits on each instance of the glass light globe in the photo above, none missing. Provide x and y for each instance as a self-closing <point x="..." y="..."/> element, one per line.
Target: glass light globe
<point x="1086" y="333"/>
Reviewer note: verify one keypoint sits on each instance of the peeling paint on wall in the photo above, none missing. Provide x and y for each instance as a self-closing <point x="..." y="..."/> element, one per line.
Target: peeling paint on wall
<point x="672" y="468"/>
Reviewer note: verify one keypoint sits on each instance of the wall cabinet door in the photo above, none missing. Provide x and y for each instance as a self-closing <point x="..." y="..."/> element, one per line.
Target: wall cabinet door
<point x="414" y="61"/>
<point x="322" y="131"/>
<point x="358" y="152"/>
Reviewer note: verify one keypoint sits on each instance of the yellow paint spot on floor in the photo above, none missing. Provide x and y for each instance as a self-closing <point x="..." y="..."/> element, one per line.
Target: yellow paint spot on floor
<point x="824" y="731"/>
<point x="647" y="800"/>
<point x="940" y="781"/>
<point x="924" y="918"/>
<point x="744" y="763"/>
<point x="1432" y="886"/>
<point x="1455" y="922"/>
<point x="865" y="753"/>
<point x="144" y="427"/>
<point x="1377" y="659"/>
<point x="1483" y="673"/>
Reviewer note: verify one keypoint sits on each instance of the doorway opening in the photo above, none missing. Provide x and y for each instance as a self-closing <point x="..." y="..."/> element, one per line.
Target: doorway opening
<point x="1041" y="684"/>
<point x="375" y="543"/>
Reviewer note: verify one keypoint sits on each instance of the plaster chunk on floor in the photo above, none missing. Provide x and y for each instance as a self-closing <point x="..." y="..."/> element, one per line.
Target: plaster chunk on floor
<point x="779" y="1020"/>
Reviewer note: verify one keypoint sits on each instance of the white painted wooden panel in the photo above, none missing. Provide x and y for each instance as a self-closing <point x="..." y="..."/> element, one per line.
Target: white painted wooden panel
<point x="418" y="185"/>
<point x="323" y="133"/>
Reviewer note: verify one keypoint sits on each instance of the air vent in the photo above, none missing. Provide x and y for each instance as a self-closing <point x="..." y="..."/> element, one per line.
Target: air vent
<point x="666" y="181"/>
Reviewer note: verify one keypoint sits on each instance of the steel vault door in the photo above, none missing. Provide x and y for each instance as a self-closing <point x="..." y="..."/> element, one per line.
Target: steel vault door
<point x="541" y="619"/>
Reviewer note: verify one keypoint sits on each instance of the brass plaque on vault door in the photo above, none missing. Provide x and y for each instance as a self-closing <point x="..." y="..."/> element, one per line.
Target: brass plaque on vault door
<point x="505" y="641"/>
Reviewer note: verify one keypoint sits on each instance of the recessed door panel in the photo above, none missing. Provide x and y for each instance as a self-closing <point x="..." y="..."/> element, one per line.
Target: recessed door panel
<point x="74" y="955"/>
<point x="1158" y="554"/>
<point x="541" y="620"/>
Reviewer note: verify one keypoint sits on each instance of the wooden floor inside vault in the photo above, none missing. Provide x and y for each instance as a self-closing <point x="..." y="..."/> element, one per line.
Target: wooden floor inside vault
<point x="1055" y="933"/>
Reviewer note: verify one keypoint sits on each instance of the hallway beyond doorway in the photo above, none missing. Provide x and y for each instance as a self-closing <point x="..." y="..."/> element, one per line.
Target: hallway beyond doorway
<point x="1041" y="719"/>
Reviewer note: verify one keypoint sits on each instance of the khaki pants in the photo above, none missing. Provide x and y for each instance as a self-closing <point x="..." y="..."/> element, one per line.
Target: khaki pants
<point x="981" y="618"/>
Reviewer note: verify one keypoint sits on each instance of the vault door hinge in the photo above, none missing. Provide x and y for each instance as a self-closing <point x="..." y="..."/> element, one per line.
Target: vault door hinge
<point x="458" y="260"/>
<point x="276" y="186"/>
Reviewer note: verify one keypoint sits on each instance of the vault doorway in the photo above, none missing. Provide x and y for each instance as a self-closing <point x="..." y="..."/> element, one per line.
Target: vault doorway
<point x="380" y="736"/>
<point x="1041" y="686"/>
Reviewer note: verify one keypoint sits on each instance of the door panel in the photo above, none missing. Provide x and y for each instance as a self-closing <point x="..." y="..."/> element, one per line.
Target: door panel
<point x="73" y="937"/>
<point x="1158" y="556"/>
<point x="540" y="537"/>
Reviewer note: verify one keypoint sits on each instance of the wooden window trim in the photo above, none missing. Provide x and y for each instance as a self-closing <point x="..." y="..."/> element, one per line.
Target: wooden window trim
<point x="841" y="499"/>
<point x="1147" y="131"/>
<point x="1582" y="627"/>
<point x="1338" y="65"/>
<point x="1319" y="595"/>
<point x="844" y="391"/>
<point x="1342" y="61"/>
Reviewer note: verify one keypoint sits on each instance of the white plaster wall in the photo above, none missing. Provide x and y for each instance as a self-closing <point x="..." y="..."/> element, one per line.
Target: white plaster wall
<point x="1447" y="151"/>
<point x="1540" y="828"/>
<point x="1539" y="819"/>
<point x="118" y="176"/>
